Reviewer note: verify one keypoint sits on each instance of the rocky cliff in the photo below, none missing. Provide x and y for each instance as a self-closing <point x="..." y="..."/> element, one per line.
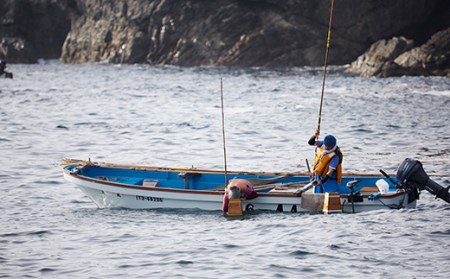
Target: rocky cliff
<point x="32" y="29"/>
<point x="269" y="33"/>
<point x="398" y="56"/>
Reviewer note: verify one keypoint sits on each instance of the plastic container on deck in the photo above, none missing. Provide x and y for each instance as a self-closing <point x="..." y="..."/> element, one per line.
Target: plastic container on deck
<point x="382" y="185"/>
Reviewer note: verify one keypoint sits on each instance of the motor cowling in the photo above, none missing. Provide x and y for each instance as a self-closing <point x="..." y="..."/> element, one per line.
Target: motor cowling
<point x="411" y="175"/>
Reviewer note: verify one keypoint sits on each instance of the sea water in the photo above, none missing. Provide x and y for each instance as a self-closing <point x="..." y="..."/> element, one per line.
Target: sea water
<point x="171" y="116"/>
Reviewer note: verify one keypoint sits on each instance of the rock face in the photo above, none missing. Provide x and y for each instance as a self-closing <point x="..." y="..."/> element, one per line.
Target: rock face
<point x="269" y="33"/>
<point x="378" y="60"/>
<point x="397" y="57"/>
<point x="432" y="58"/>
<point x="193" y="33"/>
<point x="32" y="29"/>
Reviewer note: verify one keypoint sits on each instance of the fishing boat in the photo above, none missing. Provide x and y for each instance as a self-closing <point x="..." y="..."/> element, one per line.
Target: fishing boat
<point x="140" y="187"/>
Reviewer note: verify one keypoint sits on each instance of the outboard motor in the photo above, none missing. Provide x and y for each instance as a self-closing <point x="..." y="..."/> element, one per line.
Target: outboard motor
<point x="412" y="176"/>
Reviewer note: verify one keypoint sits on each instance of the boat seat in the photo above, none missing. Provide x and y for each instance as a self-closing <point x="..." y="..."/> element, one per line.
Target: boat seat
<point x="150" y="183"/>
<point x="122" y="180"/>
<point x="369" y="189"/>
<point x="186" y="176"/>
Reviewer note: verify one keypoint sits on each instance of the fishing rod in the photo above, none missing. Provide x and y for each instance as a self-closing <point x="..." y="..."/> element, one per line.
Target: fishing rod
<point x="325" y="70"/>
<point x="223" y="133"/>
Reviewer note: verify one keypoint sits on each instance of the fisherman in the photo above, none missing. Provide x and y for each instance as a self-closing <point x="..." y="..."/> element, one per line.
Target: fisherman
<point x="3" y="68"/>
<point x="327" y="167"/>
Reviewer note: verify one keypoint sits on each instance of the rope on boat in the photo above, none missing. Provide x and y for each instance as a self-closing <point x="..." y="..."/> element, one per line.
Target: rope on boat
<point x="393" y="206"/>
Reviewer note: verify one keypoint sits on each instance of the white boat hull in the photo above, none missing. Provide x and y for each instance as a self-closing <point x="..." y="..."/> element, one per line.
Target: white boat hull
<point x="110" y="195"/>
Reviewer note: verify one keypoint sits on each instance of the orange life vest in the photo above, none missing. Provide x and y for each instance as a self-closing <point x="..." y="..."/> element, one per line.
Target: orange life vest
<point x="322" y="163"/>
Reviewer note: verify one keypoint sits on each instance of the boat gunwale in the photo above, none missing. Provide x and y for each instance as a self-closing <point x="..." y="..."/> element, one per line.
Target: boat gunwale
<point x="76" y="162"/>
<point x="205" y="192"/>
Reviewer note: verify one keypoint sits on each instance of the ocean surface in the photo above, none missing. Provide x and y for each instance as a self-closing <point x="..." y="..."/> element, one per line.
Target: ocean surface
<point x="170" y="116"/>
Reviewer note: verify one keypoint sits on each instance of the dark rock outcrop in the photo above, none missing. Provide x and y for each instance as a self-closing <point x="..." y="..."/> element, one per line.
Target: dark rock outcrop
<point x="397" y="57"/>
<point x="431" y="58"/>
<point x="32" y="29"/>
<point x="17" y="50"/>
<point x="378" y="59"/>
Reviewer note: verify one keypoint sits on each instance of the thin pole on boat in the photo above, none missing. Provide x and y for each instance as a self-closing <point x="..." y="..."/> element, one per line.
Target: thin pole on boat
<point x="325" y="69"/>
<point x="307" y="165"/>
<point x="223" y="133"/>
